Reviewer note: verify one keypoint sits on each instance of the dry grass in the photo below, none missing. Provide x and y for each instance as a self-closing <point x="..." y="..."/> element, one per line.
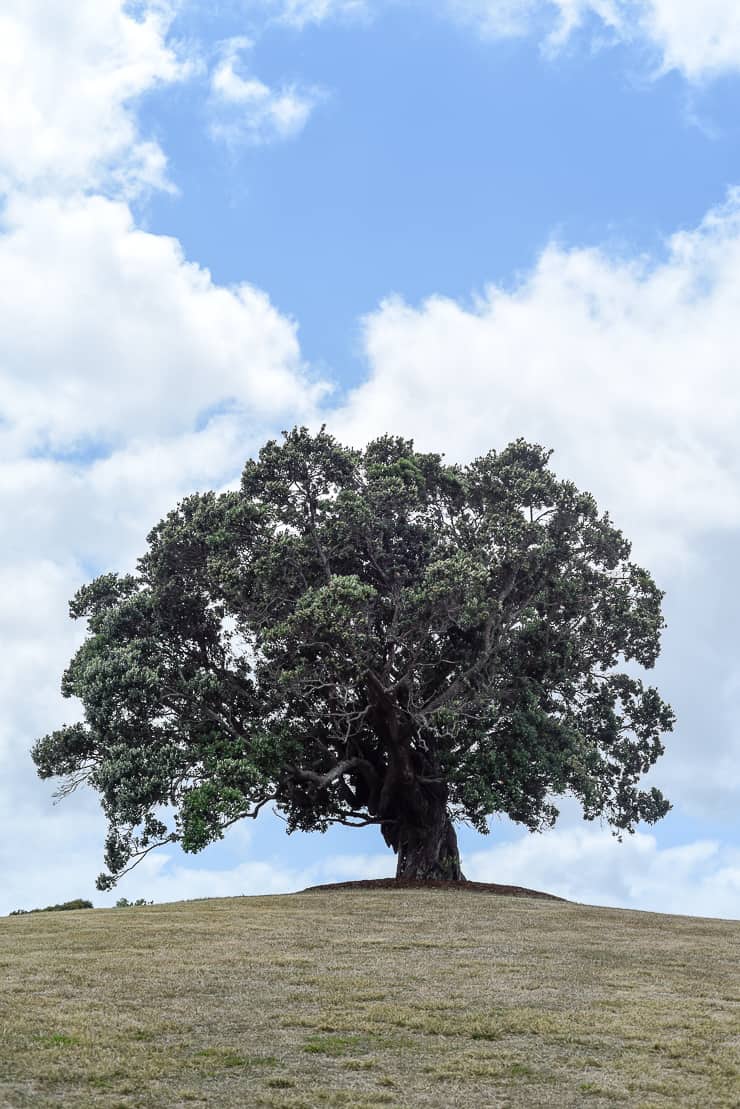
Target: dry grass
<point x="362" y="999"/>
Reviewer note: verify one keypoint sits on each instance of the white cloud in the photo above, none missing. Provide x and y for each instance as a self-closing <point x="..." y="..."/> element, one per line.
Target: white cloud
<point x="111" y="335"/>
<point x="79" y="517"/>
<point x="628" y="368"/>
<point x="47" y="855"/>
<point x="246" y="110"/>
<point x="586" y="864"/>
<point x="161" y="879"/>
<point x="33" y="590"/>
<point x="69" y="78"/>
<point x="701" y="40"/>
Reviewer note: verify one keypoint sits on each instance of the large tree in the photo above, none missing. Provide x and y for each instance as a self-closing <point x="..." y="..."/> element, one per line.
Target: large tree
<point x="367" y="637"/>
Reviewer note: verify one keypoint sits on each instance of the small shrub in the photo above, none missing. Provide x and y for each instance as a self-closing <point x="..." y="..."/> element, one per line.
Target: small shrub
<point x="124" y="903"/>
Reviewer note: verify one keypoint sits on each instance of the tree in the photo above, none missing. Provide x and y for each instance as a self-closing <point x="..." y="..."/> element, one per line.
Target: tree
<point x="367" y="637"/>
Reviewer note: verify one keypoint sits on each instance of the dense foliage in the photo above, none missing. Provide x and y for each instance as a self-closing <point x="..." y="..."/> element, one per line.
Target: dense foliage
<point x="367" y="637"/>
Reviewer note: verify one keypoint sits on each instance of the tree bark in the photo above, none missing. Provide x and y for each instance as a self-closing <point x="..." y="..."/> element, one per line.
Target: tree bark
<point x="429" y="852"/>
<point x="416" y="823"/>
<point x="413" y="811"/>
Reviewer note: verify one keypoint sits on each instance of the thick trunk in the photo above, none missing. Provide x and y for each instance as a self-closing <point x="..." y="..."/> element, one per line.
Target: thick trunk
<point x="412" y="800"/>
<point x="429" y="852"/>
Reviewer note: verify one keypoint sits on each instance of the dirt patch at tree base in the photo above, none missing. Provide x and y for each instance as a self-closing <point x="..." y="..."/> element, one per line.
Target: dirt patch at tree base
<point x="433" y="883"/>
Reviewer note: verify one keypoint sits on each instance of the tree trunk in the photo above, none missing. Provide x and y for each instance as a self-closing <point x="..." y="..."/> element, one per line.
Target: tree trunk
<point x="412" y="801"/>
<point x="429" y="852"/>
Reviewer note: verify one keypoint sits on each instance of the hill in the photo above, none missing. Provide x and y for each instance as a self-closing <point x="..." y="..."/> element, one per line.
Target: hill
<point x="369" y="997"/>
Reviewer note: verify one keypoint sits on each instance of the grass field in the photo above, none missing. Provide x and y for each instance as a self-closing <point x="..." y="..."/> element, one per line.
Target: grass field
<point x="369" y="998"/>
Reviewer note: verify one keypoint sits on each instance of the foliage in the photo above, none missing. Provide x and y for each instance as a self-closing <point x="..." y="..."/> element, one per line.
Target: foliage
<point x="78" y="903"/>
<point x="124" y="903"/>
<point x="367" y="637"/>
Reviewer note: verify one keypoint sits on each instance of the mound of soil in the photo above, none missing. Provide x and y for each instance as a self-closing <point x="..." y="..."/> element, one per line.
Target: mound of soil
<point x="413" y="884"/>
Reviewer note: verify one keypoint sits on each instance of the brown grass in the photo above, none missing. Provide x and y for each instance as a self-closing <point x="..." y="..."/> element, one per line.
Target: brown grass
<point x="368" y="998"/>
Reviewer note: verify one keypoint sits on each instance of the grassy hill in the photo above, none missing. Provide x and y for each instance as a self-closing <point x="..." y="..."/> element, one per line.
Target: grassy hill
<point x="369" y="998"/>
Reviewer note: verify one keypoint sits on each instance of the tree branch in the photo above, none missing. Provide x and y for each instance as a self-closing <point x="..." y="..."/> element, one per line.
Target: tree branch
<point x="321" y="781"/>
<point x="311" y="514"/>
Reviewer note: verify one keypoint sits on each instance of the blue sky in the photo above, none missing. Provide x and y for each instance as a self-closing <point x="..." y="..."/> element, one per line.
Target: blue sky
<point x="463" y="222"/>
<point x="436" y="163"/>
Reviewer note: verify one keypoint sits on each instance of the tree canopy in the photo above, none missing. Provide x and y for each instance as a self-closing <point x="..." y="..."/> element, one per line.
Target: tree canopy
<point x="367" y="637"/>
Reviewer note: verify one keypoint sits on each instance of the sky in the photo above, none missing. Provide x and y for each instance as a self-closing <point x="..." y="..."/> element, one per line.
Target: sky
<point x="462" y="222"/>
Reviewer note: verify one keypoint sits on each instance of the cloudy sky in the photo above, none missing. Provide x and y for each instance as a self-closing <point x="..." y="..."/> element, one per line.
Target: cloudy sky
<point x="462" y="221"/>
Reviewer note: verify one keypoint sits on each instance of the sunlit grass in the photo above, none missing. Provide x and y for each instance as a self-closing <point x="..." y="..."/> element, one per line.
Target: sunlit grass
<point x="369" y="998"/>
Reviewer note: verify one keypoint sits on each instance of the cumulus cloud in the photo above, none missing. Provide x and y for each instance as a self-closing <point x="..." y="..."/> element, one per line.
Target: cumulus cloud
<point x="700" y="878"/>
<point x="627" y="367"/>
<point x="246" y="110"/>
<point x="110" y="333"/>
<point x="70" y="75"/>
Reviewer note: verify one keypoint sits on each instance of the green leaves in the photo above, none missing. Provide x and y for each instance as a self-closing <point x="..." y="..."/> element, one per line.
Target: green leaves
<point x="362" y="636"/>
